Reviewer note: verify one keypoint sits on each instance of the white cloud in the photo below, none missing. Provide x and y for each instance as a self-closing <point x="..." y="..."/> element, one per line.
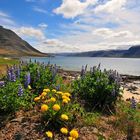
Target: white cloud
<point x="73" y="8"/>
<point x="43" y="25"/>
<point x="30" y="32"/>
<point x="111" y="6"/>
<point x="54" y="45"/>
<point x="5" y="19"/>
<point x="40" y="10"/>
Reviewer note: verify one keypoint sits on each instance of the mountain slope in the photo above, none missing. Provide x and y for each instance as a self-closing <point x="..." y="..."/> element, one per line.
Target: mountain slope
<point x="12" y="45"/>
<point x="132" y="52"/>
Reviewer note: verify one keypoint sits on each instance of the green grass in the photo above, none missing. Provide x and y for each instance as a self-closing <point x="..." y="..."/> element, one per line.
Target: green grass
<point x="4" y="62"/>
<point x="8" y="61"/>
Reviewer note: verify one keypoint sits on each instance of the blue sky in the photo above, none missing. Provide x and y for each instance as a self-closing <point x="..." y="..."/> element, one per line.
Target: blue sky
<point x="73" y="25"/>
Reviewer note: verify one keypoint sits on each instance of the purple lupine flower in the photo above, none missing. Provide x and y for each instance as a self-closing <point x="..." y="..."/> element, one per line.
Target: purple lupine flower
<point x="113" y="93"/>
<point x="9" y="75"/>
<point x="13" y="76"/>
<point x="133" y="103"/>
<point x="2" y="83"/>
<point x="20" y="90"/>
<point x="57" y="87"/>
<point x="27" y="80"/>
<point x="17" y="71"/>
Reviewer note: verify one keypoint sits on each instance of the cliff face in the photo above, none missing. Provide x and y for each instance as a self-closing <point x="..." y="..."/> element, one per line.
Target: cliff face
<point x="12" y="45"/>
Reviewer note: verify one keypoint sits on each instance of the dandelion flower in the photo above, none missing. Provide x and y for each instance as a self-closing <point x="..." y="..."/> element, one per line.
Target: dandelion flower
<point x="43" y="94"/>
<point x="54" y="90"/>
<point x="36" y="99"/>
<point x="64" y="130"/>
<point x="74" y="134"/>
<point x="44" y="108"/>
<point x="67" y="94"/>
<point x="64" y="117"/>
<point x="71" y="138"/>
<point x="65" y="101"/>
<point x="46" y="90"/>
<point x="56" y="107"/>
<point x="49" y="134"/>
<point x="59" y="92"/>
<point x="53" y="99"/>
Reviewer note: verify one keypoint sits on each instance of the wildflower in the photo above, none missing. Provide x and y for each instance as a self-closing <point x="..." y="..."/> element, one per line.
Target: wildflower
<point x="65" y="101"/>
<point x="52" y="99"/>
<point x="56" y="107"/>
<point x="2" y="83"/>
<point x="64" y="130"/>
<point x="54" y="90"/>
<point x="46" y="90"/>
<point x="133" y="103"/>
<point x="20" y="90"/>
<point x="74" y="134"/>
<point x="64" y="117"/>
<point x="44" y="108"/>
<point x="27" y="80"/>
<point x="67" y="94"/>
<point x="49" y="134"/>
<point x="71" y="138"/>
<point x="29" y="87"/>
<point x="59" y="92"/>
<point x="36" y="99"/>
<point x="43" y="94"/>
<point x="65" y="97"/>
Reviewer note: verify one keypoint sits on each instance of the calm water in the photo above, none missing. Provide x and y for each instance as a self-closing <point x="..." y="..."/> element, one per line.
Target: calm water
<point x="122" y="65"/>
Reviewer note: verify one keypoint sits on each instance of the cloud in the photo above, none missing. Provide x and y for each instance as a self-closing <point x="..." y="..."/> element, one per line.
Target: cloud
<point x="40" y="10"/>
<point x="5" y="19"/>
<point x="43" y="25"/>
<point x="30" y="32"/>
<point x="73" y="8"/>
<point x="110" y="6"/>
<point x="55" y="45"/>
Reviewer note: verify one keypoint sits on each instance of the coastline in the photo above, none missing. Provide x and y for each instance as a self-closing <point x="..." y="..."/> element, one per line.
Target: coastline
<point x="130" y="83"/>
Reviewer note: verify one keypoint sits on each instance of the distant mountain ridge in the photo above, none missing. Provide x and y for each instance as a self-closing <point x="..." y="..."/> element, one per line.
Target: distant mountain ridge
<point x="132" y="52"/>
<point x="12" y="45"/>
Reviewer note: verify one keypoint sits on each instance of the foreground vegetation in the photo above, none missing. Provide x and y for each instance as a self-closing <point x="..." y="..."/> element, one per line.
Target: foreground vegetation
<point x="93" y="100"/>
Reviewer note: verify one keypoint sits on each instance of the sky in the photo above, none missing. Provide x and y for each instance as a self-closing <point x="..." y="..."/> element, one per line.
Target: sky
<point x="73" y="25"/>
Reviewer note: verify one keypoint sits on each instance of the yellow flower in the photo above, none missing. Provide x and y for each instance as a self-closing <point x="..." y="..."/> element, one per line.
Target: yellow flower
<point x="74" y="134"/>
<point x="44" y="108"/>
<point x="64" y="130"/>
<point x="54" y="90"/>
<point x="56" y="107"/>
<point x="71" y="138"/>
<point x="64" y="117"/>
<point x="29" y="87"/>
<point x="43" y="94"/>
<point x="49" y="134"/>
<point x="36" y="99"/>
<point x="67" y="94"/>
<point x="52" y="99"/>
<point x="59" y="92"/>
<point x="65" y="101"/>
<point x="46" y="90"/>
<point x="65" y="97"/>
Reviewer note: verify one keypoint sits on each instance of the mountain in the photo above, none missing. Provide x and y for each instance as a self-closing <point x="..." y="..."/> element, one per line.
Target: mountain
<point x="12" y="45"/>
<point x="132" y="52"/>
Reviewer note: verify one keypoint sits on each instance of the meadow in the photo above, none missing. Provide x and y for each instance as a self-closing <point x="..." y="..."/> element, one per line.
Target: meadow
<point x="36" y="102"/>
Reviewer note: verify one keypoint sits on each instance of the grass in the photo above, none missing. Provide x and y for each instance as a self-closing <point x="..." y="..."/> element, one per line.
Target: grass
<point x="4" y="62"/>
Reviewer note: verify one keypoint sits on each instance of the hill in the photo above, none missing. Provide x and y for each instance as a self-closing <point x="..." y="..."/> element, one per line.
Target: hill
<point x="12" y="45"/>
<point x="132" y="52"/>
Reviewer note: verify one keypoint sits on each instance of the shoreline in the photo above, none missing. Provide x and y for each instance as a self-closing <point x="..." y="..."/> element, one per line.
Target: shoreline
<point x="130" y="83"/>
